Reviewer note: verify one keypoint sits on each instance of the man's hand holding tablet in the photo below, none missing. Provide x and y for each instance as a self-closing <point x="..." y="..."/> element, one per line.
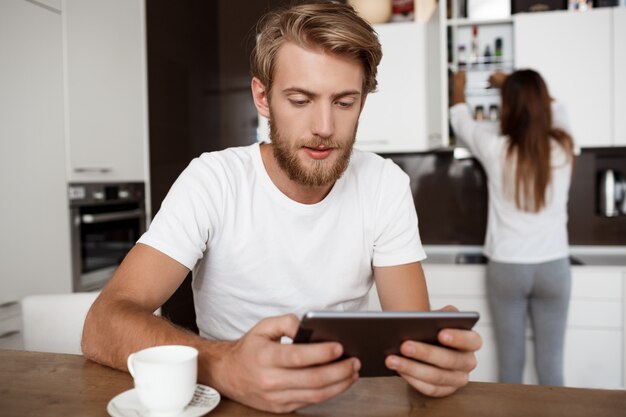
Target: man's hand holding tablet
<point x="373" y="336"/>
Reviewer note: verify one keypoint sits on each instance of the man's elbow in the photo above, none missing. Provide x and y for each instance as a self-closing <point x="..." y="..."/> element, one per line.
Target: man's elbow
<point x="90" y="343"/>
<point x="86" y="344"/>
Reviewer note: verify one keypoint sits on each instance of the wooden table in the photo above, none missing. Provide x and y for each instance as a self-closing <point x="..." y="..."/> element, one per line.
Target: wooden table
<point x="47" y="384"/>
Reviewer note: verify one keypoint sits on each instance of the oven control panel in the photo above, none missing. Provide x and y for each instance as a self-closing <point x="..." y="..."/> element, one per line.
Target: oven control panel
<point x="94" y="193"/>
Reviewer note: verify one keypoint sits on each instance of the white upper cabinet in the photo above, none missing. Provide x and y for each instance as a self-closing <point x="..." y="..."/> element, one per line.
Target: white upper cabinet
<point x="398" y="117"/>
<point x="619" y="76"/>
<point x="105" y="75"/>
<point x="572" y="51"/>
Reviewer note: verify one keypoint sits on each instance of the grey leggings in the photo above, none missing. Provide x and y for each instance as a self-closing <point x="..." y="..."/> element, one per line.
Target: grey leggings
<point x="544" y="291"/>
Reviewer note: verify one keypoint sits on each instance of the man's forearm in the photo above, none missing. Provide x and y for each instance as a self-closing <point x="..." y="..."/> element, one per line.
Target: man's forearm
<point x="115" y="329"/>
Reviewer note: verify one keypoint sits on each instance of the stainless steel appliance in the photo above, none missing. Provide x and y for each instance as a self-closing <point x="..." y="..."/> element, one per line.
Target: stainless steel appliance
<point x="611" y="193"/>
<point x="106" y="220"/>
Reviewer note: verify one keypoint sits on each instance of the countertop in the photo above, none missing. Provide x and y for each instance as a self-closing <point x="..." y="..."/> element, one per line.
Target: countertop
<point x="472" y="255"/>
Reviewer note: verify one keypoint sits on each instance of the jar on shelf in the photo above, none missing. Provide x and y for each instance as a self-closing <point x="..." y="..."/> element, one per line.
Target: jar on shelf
<point x="494" y="113"/>
<point x="402" y="10"/>
<point x="462" y="57"/>
<point x="479" y="113"/>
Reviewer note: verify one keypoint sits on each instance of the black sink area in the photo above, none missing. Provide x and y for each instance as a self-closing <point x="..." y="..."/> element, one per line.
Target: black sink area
<point x="575" y="261"/>
<point x="470" y="258"/>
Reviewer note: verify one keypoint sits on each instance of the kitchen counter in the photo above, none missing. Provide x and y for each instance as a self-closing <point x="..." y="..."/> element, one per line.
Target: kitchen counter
<point x="456" y="276"/>
<point x="610" y="256"/>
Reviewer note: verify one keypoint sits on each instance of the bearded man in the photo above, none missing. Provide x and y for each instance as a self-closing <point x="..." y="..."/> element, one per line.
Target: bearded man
<point x="276" y="229"/>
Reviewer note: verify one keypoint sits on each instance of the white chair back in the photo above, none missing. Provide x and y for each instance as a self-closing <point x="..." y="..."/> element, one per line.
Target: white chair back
<point x="54" y="322"/>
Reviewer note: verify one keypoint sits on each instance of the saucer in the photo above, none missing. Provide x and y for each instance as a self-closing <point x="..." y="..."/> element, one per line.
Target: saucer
<point x="127" y="403"/>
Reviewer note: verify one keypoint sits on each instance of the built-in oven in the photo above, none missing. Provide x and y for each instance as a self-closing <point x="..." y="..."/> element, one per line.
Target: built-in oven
<point x="106" y="220"/>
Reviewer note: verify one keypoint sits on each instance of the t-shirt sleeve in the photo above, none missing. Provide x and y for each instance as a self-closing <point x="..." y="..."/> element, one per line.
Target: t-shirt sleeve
<point x="477" y="136"/>
<point x="463" y="125"/>
<point x="183" y="225"/>
<point x="397" y="240"/>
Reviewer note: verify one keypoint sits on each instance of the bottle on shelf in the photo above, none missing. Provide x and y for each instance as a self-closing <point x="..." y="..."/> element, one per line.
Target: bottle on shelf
<point x="487" y="55"/>
<point x="498" y="51"/>
<point x="579" y="5"/>
<point x="462" y="57"/>
<point x="474" y="51"/>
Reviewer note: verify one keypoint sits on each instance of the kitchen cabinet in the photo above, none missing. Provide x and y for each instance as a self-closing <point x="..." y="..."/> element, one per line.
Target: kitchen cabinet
<point x="594" y="342"/>
<point x="478" y="46"/>
<point x="404" y="115"/>
<point x="580" y="55"/>
<point x="487" y="36"/>
<point x="11" y="336"/>
<point x="72" y="108"/>
<point x="595" y="336"/>
<point x="464" y="287"/>
<point x="619" y="76"/>
<point x="34" y="220"/>
<point x="105" y="76"/>
<point x="572" y="51"/>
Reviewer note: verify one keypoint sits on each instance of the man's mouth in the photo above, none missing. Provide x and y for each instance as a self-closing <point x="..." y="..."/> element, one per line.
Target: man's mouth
<point x="318" y="152"/>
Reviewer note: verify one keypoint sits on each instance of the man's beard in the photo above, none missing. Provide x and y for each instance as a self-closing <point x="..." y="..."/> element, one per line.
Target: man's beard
<point x="319" y="172"/>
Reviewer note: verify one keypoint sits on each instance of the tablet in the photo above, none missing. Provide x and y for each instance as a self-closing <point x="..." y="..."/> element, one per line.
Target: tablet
<point x="372" y="335"/>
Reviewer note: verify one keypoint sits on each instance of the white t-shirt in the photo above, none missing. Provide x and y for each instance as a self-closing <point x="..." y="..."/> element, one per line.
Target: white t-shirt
<point x="256" y="253"/>
<point x="513" y="235"/>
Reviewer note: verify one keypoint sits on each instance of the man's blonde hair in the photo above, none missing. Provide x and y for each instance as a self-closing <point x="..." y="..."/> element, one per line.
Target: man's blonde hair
<point x="331" y="27"/>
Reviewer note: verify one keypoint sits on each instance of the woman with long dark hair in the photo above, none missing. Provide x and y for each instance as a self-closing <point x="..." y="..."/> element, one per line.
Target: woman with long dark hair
<point x="528" y="160"/>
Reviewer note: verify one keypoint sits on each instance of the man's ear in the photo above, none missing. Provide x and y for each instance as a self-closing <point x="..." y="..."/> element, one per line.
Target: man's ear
<point x="260" y="97"/>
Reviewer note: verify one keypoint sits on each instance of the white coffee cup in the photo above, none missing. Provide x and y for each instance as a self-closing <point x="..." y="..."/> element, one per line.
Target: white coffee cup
<point x="165" y="378"/>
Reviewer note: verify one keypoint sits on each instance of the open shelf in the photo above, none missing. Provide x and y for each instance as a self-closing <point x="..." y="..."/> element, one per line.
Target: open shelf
<point x="482" y="92"/>
<point x="504" y="66"/>
<point x="492" y="34"/>
<point x="463" y="21"/>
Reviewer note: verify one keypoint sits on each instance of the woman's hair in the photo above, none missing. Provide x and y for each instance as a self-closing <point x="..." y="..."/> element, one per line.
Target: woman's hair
<point x="330" y="27"/>
<point x="526" y="119"/>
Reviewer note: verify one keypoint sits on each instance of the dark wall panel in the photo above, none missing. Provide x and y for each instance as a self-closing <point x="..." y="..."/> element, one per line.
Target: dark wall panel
<point x="198" y="94"/>
<point x="451" y="198"/>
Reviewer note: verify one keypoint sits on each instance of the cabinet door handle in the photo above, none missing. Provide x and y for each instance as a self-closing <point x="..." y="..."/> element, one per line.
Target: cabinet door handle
<point x="96" y="170"/>
<point x="8" y="304"/>
<point x="108" y="217"/>
<point x="8" y="334"/>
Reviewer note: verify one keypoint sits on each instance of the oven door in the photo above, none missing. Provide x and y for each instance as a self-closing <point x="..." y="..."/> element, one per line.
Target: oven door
<point x="103" y="236"/>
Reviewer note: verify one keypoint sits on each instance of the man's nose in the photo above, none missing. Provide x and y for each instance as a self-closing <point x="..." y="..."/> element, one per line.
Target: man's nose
<point x="323" y="122"/>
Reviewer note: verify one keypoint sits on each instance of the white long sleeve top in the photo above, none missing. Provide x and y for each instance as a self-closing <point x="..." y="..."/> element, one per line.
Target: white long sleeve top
<point x="513" y="235"/>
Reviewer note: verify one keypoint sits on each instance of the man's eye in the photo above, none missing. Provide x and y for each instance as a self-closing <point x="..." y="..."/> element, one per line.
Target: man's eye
<point x="298" y="102"/>
<point x="345" y="104"/>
